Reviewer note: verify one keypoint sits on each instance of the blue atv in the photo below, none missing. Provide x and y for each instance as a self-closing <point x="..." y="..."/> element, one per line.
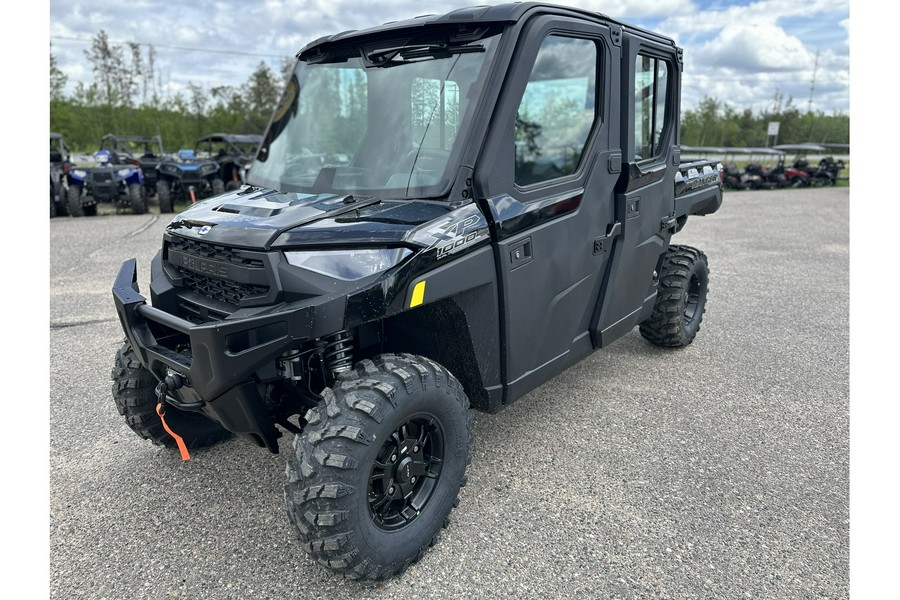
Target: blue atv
<point x="106" y="182"/>
<point x="187" y="178"/>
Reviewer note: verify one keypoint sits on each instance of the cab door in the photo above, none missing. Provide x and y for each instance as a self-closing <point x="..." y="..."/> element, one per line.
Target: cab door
<point x="645" y="198"/>
<point x="547" y="173"/>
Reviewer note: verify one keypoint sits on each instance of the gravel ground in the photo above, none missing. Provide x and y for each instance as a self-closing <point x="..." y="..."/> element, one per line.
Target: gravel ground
<point x="716" y="471"/>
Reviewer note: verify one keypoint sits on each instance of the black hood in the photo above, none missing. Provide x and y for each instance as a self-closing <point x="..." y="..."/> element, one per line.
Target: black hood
<point x="260" y="218"/>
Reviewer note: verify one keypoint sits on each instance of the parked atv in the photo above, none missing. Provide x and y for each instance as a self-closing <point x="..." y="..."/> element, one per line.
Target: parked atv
<point x="762" y="177"/>
<point x="144" y="152"/>
<point x="233" y="152"/>
<point x="749" y="179"/>
<point x="187" y="178"/>
<point x="826" y="173"/>
<point x="106" y="182"/>
<point x="788" y="176"/>
<point x="60" y="163"/>
<point x="363" y="305"/>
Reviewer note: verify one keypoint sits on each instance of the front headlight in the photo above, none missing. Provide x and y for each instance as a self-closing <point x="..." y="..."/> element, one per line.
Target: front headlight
<point x="124" y="172"/>
<point x="348" y="265"/>
<point x="79" y="173"/>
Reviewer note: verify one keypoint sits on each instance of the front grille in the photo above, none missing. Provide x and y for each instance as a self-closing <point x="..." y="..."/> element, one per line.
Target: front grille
<point x="225" y="265"/>
<point x="213" y="252"/>
<point x="102" y="177"/>
<point x="222" y="290"/>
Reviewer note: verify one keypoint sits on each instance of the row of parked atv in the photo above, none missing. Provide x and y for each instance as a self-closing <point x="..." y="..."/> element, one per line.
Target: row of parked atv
<point x="801" y="173"/>
<point x="128" y="170"/>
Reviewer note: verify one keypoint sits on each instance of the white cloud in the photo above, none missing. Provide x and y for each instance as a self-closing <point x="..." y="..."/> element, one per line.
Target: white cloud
<point x="756" y="47"/>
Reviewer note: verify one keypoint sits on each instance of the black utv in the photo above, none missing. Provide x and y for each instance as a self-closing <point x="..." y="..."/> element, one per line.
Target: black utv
<point x="60" y="163"/>
<point x="444" y="213"/>
<point x="186" y="177"/>
<point x="233" y="152"/>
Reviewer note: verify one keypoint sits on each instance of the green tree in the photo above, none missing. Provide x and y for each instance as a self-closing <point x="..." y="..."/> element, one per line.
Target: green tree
<point x="58" y="80"/>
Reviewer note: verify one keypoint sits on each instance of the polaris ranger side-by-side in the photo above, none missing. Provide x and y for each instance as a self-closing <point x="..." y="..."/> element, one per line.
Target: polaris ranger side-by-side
<point x="444" y="212"/>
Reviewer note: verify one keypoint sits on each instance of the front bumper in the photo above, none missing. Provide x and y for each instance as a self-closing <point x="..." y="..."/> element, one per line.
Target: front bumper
<point x="228" y="359"/>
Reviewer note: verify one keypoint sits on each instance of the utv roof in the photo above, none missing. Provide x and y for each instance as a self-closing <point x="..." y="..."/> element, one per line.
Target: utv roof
<point x="808" y="147"/>
<point x="234" y="138"/>
<point x="131" y="138"/>
<point x="55" y="136"/>
<point x="473" y="15"/>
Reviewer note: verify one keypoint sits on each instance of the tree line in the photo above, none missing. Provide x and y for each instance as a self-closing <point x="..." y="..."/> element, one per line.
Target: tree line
<point x="126" y="97"/>
<point x="715" y="123"/>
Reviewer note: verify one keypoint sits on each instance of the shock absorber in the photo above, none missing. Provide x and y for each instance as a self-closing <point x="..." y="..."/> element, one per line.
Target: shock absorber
<point x="339" y="352"/>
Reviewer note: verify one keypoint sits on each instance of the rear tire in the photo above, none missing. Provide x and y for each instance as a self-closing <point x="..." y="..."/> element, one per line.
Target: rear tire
<point x="680" y="298"/>
<point x="73" y="200"/>
<point x="134" y="392"/>
<point x="164" y="192"/>
<point x="138" y="201"/>
<point x="378" y="468"/>
<point x="218" y="186"/>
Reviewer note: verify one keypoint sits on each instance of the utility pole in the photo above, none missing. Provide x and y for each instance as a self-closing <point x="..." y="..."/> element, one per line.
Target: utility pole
<point x="812" y="87"/>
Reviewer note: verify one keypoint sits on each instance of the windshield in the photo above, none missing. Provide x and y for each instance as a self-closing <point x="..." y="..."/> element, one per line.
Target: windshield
<point x="383" y="122"/>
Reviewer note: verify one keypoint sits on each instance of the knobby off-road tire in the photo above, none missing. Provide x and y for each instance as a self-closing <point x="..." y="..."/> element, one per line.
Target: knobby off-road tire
<point x="680" y="299"/>
<point x="378" y="468"/>
<point x="232" y="185"/>
<point x="134" y="391"/>
<point x="73" y="201"/>
<point x="136" y="196"/>
<point x="218" y="186"/>
<point x="164" y="192"/>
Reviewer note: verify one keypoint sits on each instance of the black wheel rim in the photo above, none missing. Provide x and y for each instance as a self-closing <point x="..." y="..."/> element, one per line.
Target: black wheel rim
<point x="693" y="299"/>
<point x="405" y="473"/>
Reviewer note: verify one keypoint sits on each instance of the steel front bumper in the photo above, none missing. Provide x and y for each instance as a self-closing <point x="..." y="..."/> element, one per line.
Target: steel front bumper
<point x="226" y="356"/>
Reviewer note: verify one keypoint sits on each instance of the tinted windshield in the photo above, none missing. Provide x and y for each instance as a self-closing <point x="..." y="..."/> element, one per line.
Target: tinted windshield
<point x="349" y="126"/>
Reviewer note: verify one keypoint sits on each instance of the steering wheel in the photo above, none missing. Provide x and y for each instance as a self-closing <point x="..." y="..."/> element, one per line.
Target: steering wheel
<point x="428" y="159"/>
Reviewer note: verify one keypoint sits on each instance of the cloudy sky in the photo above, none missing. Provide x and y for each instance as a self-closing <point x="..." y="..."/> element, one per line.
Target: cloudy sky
<point x="739" y="51"/>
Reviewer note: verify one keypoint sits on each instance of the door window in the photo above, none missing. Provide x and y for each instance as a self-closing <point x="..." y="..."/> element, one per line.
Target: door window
<point x="650" y="93"/>
<point x="557" y="110"/>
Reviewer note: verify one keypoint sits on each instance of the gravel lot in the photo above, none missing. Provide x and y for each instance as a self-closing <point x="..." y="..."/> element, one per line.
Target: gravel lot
<point x="716" y="471"/>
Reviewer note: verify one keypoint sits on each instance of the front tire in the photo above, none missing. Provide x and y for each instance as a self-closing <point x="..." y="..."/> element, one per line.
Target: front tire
<point x="134" y="392"/>
<point x="73" y="200"/>
<point x="164" y="192"/>
<point x="378" y="468"/>
<point x="138" y="201"/>
<point x="218" y="186"/>
<point x="680" y="298"/>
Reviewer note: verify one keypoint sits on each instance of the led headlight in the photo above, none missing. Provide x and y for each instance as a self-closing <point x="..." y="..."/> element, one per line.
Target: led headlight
<point x="79" y="173"/>
<point x="124" y="172"/>
<point x="348" y="265"/>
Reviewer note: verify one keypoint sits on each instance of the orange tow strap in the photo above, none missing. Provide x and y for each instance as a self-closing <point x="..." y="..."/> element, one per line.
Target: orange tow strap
<point x="182" y="447"/>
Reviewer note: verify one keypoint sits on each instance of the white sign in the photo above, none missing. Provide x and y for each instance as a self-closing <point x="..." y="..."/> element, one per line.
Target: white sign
<point x="773" y="128"/>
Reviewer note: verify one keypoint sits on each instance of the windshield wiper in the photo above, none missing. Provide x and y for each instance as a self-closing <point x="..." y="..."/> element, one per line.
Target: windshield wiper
<point x="388" y="57"/>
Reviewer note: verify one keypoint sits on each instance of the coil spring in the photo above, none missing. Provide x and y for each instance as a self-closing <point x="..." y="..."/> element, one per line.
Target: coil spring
<point x="339" y="352"/>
